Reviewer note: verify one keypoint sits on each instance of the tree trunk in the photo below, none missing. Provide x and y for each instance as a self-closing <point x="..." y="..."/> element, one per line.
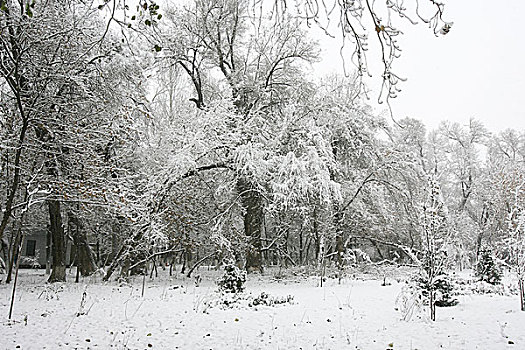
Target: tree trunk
<point x="114" y="242"/>
<point x="58" y="274"/>
<point x="432" y="297"/>
<point x="307" y="250"/>
<point x="14" y="256"/>
<point x="4" y="256"/>
<point x="98" y="252"/>
<point x="48" y="250"/>
<point x="339" y="247"/>
<point x="114" y="263"/>
<point x="483" y="223"/>
<point x="8" y="207"/>
<point x="301" y="246"/>
<point x="86" y="260"/>
<point x="124" y="251"/>
<point x="316" y="235"/>
<point x="522" y="294"/>
<point x="252" y="203"/>
<point x="339" y="241"/>
<point x="374" y="243"/>
<point x="187" y="259"/>
<point x="124" y="271"/>
<point x="85" y="257"/>
<point x="479" y="241"/>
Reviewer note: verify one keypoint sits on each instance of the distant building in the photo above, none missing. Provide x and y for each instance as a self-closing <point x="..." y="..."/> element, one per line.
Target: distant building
<point x="33" y="252"/>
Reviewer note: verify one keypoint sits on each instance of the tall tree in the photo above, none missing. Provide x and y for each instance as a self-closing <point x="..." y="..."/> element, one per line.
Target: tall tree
<point x="254" y="61"/>
<point x="67" y="81"/>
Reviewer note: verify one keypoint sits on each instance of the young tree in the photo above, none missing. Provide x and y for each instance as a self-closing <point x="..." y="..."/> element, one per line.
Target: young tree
<point x="436" y="237"/>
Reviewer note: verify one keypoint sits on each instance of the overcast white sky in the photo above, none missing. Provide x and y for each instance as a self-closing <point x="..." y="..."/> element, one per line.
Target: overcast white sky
<point x="476" y="71"/>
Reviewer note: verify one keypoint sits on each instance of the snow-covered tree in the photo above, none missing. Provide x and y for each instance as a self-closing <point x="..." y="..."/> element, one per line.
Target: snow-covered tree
<point x="70" y="90"/>
<point x="436" y="237"/>
<point x="515" y="242"/>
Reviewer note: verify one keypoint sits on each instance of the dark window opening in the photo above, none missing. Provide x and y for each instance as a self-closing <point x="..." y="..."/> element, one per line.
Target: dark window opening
<point x="30" y="247"/>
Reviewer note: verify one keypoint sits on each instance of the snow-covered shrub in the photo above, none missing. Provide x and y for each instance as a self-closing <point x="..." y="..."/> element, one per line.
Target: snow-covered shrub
<point x="466" y="285"/>
<point x="487" y="269"/>
<point x="413" y="299"/>
<point x="410" y="302"/>
<point x="233" y="279"/>
<point x="31" y="261"/>
<point x="228" y="301"/>
<point x="482" y="287"/>
<point x="223" y="301"/>
<point x="355" y="256"/>
<point x="267" y="300"/>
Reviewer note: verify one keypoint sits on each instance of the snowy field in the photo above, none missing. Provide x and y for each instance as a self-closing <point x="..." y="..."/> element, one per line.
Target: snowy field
<point x="174" y="313"/>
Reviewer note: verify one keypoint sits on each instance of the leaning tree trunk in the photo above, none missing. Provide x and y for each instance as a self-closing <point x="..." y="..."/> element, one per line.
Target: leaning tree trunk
<point x="14" y="255"/>
<point x="58" y="237"/>
<point x="252" y="203"/>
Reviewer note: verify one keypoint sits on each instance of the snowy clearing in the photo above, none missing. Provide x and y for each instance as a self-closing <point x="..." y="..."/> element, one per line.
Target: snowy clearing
<point x="176" y="314"/>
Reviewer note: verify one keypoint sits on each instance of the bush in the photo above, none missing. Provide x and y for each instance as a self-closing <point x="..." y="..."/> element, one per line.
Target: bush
<point x="442" y="286"/>
<point x="487" y="270"/>
<point x="232" y="281"/>
<point x="267" y="300"/>
<point x="444" y="295"/>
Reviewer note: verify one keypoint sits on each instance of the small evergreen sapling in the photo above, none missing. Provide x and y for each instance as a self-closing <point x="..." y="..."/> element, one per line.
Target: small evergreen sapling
<point x="487" y="270"/>
<point x="441" y="287"/>
<point x="445" y="295"/>
<point x="233" y="279"/>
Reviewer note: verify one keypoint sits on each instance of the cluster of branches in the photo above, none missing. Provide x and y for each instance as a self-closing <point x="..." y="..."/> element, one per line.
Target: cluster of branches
<point x="233" y="153"/>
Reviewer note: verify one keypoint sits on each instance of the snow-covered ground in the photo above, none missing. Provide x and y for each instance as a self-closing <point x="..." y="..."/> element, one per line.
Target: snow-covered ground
<point x="359" y="313"/>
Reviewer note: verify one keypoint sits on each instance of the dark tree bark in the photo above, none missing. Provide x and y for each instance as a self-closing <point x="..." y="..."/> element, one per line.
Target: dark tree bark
<point x="8" y="207"/>
<point x="432" y="302"/>
<point x="85" y="257"/>
<point x="19" y="85"/>
<point x="317" y="236"/>
<point x="252" y="203"/>
<point x="301" y="246"/>
<point x="48" y="250"/>
<point x="114" y="263"/>
<point x="58" y="237"/>
<point x="123" y="254"/>
<point x="522" y="294"/>
<point x="187" y="257"/>
<point x="339" y="239"/>
<point x="14" y="256"/>
<point x="483" y="223"/>
<point x="124" y="271"/>
<point x="5" y="254"/>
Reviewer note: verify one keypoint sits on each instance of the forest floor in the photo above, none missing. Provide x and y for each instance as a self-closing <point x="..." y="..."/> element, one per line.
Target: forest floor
<point x="174" y="313"/>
